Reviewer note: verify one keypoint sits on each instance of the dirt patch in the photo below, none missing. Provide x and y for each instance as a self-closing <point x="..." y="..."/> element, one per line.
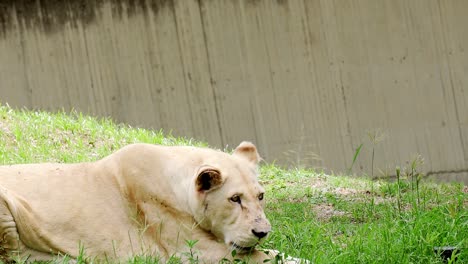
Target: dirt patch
<point x="326" y="211"/>
<point x="347" y="191"/>
<point x="318" y="183"/>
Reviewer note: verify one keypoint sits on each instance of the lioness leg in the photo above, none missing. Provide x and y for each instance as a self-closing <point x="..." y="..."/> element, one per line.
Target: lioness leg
<point x="9" y="237"/>
<point x="11" y="246"/>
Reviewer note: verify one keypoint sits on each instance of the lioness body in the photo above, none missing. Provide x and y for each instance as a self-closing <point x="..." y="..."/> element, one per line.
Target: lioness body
<point x="143" y="199"/>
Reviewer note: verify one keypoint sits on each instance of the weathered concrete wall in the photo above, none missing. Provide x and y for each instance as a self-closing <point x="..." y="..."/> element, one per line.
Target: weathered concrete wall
<point x="307" y="81"/>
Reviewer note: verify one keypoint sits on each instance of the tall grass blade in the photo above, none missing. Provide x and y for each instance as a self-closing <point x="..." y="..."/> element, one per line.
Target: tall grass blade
<point x="356" y="154"/>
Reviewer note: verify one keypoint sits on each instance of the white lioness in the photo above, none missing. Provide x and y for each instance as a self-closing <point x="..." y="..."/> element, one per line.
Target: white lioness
<point x="143" y="199"/>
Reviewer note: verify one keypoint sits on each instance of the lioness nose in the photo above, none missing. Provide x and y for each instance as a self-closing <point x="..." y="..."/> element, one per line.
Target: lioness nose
<point x="259" y="234"/>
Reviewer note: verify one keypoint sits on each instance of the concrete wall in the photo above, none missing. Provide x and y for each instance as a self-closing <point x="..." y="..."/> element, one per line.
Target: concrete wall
<point x="308" y="81"/>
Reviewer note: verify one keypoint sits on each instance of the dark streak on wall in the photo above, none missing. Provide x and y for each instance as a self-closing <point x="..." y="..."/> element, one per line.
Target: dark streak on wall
<point x="254" y="2"/>
<point x="52" y="15"/>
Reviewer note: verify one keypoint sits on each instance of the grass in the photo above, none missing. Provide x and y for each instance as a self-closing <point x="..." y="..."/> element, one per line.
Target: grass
<point x="323" y="218"/>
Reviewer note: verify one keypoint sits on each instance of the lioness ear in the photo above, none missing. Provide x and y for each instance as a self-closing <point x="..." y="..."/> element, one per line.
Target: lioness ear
<point x="208" y="179"/>
<point x="248" y="151"/>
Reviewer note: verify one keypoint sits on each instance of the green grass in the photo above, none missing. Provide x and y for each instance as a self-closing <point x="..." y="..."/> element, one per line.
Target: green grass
<point x="39" y="136"/>
<point x="323" y="218"/>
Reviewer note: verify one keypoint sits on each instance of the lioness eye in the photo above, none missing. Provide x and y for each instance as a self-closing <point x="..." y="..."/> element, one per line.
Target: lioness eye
<point x="236" y="199"/>
<point x="260" y="196"/>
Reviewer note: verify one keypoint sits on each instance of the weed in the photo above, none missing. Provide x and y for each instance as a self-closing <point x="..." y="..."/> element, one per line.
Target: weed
<point x="192" y="255"/>
<point x="356" y="154"/>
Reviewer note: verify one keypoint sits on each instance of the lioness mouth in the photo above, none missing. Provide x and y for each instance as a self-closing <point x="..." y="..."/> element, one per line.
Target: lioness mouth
<point x="242" y="249"/>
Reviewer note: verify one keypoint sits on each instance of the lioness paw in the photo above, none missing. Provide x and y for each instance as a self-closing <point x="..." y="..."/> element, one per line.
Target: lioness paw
<point x="281" y="258"/>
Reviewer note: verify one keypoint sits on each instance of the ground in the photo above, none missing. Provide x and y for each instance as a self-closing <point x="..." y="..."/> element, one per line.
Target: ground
<point x="320" y="217"/>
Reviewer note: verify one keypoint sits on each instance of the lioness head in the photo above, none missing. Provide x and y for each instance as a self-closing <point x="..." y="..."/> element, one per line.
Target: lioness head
<point x="229" y="200"/>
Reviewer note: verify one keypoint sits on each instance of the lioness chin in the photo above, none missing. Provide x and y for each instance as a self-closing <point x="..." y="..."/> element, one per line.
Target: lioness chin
<point x="143" y="199"/>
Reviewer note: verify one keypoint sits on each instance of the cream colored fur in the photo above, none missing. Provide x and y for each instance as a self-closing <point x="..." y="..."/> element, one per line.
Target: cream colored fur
<point x="143" y="199"/>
